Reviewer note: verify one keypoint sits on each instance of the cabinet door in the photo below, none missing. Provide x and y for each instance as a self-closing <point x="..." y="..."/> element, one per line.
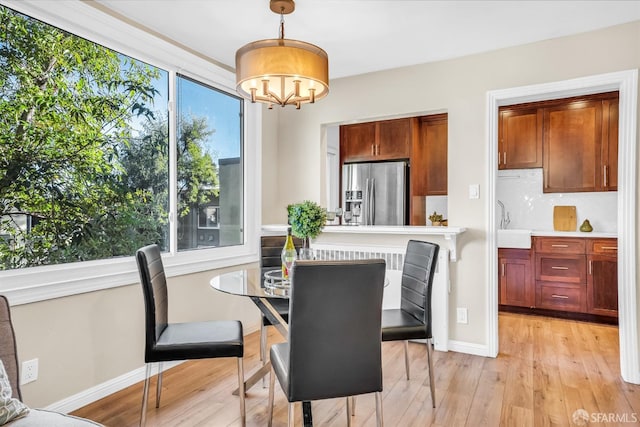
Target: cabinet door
<point x="520" y="138"/>
<point x="394" y="139"/>
<point x="516" y="284"/>
<point x="357" y="142"/>
<point x="610" y="144"/>
<point x="572" y="147"/>
<point x="602" y="285"/>
<point x="429" y="157"/>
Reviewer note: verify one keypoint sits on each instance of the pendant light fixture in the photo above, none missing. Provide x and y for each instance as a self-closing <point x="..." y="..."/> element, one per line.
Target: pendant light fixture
<point x="282" y="71"/>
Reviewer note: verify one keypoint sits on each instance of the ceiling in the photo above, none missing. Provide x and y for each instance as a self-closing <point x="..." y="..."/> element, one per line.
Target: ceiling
<point x="362" y="36"/>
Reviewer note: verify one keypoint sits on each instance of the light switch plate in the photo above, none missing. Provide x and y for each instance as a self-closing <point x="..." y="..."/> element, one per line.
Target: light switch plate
<point x="474" y="191"/>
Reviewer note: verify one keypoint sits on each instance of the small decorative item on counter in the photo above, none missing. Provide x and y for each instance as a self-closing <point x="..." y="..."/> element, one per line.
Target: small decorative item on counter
<point x="586" y="226"/>
<point x="435" y="218"/>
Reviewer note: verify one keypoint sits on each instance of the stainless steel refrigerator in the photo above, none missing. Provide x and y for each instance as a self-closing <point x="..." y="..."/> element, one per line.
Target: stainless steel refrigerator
<point x="375" y="193"/>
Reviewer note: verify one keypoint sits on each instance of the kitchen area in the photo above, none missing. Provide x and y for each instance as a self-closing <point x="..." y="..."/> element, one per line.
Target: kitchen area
<point x="556" y="192"/>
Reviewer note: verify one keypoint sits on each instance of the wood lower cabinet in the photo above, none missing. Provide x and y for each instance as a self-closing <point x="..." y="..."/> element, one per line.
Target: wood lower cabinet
<point x="568" y="275"/>
<point x="515" y="278"/>
<point x="602" y="277"/>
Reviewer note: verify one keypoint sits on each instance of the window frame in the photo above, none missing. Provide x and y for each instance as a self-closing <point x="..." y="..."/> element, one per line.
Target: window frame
<point x="34" y="284"/>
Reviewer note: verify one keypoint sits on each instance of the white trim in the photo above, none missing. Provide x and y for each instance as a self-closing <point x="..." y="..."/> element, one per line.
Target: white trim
<point x="469" y="348"/>
<point x="29" y="285"/>
<point x="627" y="83"/>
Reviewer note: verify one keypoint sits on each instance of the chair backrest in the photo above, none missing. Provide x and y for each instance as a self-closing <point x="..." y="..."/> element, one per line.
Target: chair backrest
<point x="271" y="249"/>
<point x="417" y="280"/>
<point x="335" y="329"/>
<point x="8" y="352"/>
<point x="154" y="290"/>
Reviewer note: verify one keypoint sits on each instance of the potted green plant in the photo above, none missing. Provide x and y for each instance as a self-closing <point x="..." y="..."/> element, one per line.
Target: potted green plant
<point x="435" y="218"/>
<point x="307" y="220"/>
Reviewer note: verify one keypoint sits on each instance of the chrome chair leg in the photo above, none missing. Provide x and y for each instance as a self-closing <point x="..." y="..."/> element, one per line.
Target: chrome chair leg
<point x="431" y="379"/>
<point x="263" y="348"/>
<point x="241" y="390"/>
<point x="353" y="406"/>
<point x="292" y="414"/>
<point x="349" y="414"/>
<point x="145" y="395"/>
<point x="159" y="385"/>
<point x="272" y="380"/>
<point x="379" y="418"/>
<point x="406" y="357"/>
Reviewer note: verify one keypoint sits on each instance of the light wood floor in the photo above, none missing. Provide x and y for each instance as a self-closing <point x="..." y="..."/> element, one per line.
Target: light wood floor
<point x="547" y="369"/>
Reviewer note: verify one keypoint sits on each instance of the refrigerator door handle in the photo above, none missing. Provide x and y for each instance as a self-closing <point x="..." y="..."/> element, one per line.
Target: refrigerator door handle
<point x="365" y="203"/>
<point x="372" y="202"/>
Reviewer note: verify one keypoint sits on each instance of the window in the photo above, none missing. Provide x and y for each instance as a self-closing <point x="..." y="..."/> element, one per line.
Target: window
<point x="209" y="155"/>
<point x="86" y="152"/>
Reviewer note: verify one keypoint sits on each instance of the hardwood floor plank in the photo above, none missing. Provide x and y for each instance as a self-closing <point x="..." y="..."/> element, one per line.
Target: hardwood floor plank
<point x="546" y="370"/>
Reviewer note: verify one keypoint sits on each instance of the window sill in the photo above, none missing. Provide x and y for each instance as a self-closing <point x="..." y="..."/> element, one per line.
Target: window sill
<point x="35" y="284"/>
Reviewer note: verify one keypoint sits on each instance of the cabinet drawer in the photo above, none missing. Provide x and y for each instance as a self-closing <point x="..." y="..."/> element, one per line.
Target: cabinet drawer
<point x="560" y="245"/>
<point x="561" y="268"/>
<point x="602" y="246"/>
<point x="560" y="296"/>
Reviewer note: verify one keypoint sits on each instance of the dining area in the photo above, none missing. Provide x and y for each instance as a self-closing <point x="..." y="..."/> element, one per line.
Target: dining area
<point x="328" y="320"/>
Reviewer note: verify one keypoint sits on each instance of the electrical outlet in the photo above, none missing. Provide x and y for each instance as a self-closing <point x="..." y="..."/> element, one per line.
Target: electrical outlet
<point x="462" y="315"/>
<point x="29" y="371"/>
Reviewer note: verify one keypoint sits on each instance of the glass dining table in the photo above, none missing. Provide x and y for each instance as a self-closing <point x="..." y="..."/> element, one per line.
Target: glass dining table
<point x="252" y="283"/>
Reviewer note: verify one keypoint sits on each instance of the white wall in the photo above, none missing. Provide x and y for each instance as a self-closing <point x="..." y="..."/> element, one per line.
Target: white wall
<point x="460" y="88"/>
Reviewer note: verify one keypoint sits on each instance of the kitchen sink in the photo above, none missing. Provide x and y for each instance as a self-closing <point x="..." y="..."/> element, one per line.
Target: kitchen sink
<point x="514" y="238"/>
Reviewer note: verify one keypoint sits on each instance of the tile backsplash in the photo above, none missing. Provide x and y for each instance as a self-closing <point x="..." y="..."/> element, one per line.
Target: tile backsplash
<point x="521" y="192"/>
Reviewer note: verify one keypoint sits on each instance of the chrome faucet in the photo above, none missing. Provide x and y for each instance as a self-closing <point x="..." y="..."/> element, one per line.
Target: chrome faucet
<point x="504" y="219"/>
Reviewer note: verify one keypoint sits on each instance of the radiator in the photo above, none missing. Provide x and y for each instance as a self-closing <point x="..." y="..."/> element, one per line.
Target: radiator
<point x="394" y="257"/>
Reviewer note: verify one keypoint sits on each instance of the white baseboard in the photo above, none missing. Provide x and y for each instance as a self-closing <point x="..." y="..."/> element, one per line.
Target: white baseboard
<point x="469" y="348"/>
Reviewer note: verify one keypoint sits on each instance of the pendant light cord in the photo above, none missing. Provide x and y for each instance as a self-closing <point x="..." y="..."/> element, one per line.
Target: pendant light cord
<point x="282" y="23"/>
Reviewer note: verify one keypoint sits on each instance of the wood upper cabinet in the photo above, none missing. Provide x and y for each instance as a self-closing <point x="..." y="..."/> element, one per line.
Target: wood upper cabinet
<point x="429" y="157"/>
<point x="602" y="277"/>
<point x="520" y="138"/>
<point x="373" y="141"/>
<point x="515" y="278"/>
<point x="572" y="144"/>
<point x="610" y="144"/>
<point x="357" y="142"/>
<point x="394" y="138"/>
<point x="580" y="145"/>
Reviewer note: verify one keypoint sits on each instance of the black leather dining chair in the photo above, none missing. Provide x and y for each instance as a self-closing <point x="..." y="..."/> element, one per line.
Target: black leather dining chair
<point x="166" y="341"/>
<point x="334" y="344"/>
<point x="270" y="252"/>
<point x="413" y="319"/>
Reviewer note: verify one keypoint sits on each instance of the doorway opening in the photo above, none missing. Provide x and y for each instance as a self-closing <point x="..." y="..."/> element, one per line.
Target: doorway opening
<point x="626" y="83"/>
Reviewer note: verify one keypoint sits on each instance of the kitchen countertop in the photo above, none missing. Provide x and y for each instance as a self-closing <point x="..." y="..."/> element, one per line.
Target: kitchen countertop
<point x="449" y="233"/>
<point x="593" y="234"/>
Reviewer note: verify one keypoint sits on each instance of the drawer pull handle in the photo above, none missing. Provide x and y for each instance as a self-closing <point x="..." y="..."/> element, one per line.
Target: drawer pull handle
<point x="559" y="246"/>
<point x="590" y="268"/>
<point x="609" y="248"/>
<point x="559" y="268"/>
<point x="559" y="296"/>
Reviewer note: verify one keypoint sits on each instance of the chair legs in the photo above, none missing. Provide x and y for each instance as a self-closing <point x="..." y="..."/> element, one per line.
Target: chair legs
<point x="431" y="379"/>
<point x="159" y="385"/>
<point x="406" y="357"/>
<point x="292" y="414"/>
<point x="349" y="413"/>
<point x="272" y="380"/>
<point x="145" y="395"/>
<point x="145" y="392"/>
<point x="379" y="418"/>
<point x="241" y="391"/>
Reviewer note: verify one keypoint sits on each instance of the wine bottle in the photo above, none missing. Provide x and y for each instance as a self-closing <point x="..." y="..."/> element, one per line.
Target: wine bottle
<point x="288" y="255"/>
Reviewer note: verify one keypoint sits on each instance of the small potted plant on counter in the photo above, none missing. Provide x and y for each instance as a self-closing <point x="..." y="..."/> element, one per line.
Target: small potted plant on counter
<point x="436" y="219"/>
<point x="306" y="219"/>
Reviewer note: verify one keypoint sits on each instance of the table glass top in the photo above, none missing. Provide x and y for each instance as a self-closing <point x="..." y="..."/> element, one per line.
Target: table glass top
<point x="247" y="282"/>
